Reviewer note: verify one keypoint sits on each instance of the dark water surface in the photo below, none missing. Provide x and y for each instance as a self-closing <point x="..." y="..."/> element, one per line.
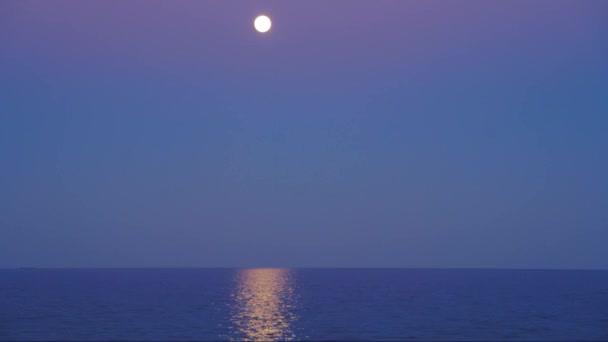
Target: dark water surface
<point x="309" y="304"/>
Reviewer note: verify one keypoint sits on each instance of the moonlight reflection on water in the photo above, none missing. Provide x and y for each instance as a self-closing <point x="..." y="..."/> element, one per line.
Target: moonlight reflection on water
<point x="264" y="304"/>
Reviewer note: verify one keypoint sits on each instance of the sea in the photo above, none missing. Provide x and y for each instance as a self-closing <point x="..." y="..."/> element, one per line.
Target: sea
<point x="275" y="304"/>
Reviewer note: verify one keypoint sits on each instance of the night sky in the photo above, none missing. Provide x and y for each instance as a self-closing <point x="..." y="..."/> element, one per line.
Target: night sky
<point x="353" y="134"/>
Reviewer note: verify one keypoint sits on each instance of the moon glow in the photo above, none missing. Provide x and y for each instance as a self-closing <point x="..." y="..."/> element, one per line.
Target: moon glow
<point x="262" y="23"/>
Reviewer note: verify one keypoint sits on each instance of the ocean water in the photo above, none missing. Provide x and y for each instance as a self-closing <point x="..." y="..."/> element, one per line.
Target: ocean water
<point x="302" y="304"/>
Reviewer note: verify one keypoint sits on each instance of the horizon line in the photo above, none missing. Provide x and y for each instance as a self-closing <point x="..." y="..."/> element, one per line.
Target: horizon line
<point x="288" y="267"/>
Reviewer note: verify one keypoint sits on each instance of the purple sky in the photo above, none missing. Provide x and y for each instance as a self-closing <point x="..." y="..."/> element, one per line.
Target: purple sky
<point x="355" y="133"/>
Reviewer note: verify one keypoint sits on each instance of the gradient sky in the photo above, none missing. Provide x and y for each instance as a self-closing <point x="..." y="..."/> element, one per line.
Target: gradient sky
<point x="354" y="134"/>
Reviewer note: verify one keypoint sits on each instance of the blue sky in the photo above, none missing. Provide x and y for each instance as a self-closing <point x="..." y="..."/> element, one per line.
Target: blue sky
<point x="353" y="134"/>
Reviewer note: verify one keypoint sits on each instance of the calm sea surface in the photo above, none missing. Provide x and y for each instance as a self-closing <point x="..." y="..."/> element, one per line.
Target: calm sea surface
<point x="303" y="304"/>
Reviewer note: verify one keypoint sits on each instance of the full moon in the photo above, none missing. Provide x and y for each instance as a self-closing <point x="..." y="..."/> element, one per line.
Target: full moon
<point x="262" y="23"/>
